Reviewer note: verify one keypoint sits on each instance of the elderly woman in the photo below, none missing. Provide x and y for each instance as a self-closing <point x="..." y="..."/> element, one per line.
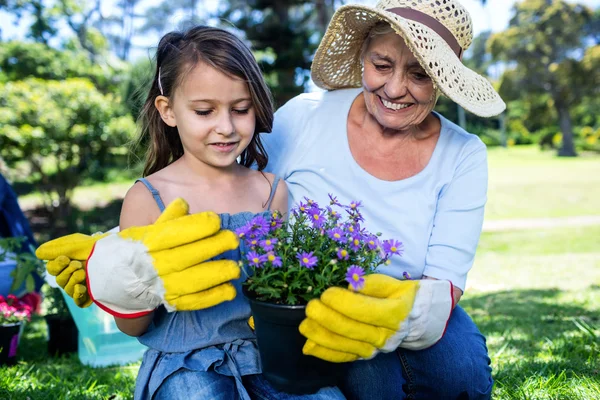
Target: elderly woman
<point x="374" y="137"/>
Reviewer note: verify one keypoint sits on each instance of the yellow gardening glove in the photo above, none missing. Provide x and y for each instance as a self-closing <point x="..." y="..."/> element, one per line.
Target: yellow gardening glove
<point x="68" y="267"/>
<point x="132" y="272"/>
<point x="385" y="314"/>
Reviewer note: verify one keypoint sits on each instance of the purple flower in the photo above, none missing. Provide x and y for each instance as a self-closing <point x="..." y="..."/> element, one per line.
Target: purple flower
<point x="354" y="205"/>
<point x="355" y="277"/>
<point x="311" y="203"/>
<point x="342" y="254"/>
<point x="260" y="226"/>
<point x="243" y="231"/>
<point x="316" y="217"/>
<point x="274" y="259"/>
<point x="333" y="200"/>
<point x="256" y="259"/>
<point x="355" y="242"/>
<point x="252" y="242"/>
<point x="406" y="276"/>
<point x="333" y="214"/>
<point x="372" y="242"/>
<point x="392" y="247"/>
<point x="303" y="208"/>
<point x="336" y="234"/>
<point x="276" y="221"/>
<point x="352" y="228"/>
<point x="268" y="244"/>
<point x="307" y="260"/>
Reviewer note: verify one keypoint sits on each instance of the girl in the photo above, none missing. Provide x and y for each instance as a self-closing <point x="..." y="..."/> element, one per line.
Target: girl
<point x="202" y="118"/>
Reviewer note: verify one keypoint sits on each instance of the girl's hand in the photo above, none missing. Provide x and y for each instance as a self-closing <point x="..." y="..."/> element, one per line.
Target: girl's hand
<point x="132" y="272"/>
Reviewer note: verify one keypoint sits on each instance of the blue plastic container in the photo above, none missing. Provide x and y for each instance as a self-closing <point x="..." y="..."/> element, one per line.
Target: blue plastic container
<point x="6" y="267"/>
<point x="101" y="343"/>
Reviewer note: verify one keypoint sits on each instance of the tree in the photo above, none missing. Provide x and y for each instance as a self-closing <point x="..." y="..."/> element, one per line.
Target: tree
<point x="62" y="131"/>
<point x="284" y="35"/>
<point x="544" y="43"/>
<point x="41" y="61"/>
<point x="159" y="18"/>
<point x="42" y="28"/>
<point x="123" y="24"/>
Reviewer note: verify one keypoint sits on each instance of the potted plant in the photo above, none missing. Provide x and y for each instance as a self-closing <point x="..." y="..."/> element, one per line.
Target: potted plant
<point x="18" y="266"/>
<point x="291" y="262"/>
<point x="62" y="331"/>
<point x="13" y="313"/>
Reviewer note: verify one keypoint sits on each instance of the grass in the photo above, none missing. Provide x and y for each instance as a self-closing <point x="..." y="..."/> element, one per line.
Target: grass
<point x="536" y="297"/>
<point x="37" y="376"/>
<point x="525" y="182"/>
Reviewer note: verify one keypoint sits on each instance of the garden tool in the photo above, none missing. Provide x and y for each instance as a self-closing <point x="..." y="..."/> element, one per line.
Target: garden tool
<point x="130" y="273"/>
<point x="345" y="325"/>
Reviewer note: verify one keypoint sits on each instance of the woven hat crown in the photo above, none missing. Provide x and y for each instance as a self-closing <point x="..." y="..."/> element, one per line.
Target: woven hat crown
<point x="449" y="13"/>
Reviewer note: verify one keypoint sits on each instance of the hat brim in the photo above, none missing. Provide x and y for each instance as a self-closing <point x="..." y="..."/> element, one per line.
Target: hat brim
<point x="337" y="63"/>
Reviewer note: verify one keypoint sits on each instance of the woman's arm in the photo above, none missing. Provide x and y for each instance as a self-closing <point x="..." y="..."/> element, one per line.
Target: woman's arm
<point x="139" y="209"/>
<point x="458" y="219"/>
<point x="280" y="198"/>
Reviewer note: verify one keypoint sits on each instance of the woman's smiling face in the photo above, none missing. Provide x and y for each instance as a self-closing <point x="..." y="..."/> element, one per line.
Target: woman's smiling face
<point x="398" y="92"/>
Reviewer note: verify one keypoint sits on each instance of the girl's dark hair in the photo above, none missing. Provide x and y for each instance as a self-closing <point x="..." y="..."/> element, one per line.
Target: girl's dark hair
<point x="177" y="54"/>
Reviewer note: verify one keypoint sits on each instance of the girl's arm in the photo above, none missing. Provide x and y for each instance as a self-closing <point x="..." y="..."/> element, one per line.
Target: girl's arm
<point x="139" y="209"/>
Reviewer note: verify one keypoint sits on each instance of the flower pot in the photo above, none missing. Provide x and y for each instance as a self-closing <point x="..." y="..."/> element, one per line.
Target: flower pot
<point x="280" y="347"/>
<point x="62" y="335"/>
<point x="9" y="342"/>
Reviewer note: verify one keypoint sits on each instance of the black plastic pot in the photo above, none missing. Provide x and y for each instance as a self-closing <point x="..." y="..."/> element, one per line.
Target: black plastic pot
<point x="62" y="335"/>
<point x="9" y="342"/>
<point x="280" y="347"/>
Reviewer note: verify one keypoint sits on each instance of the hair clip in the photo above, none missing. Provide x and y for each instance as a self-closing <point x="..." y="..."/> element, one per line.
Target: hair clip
<point x="159" y="84"/>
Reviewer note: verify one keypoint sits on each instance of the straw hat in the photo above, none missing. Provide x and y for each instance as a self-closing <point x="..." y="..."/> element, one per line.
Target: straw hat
<point x="436" y="31"/>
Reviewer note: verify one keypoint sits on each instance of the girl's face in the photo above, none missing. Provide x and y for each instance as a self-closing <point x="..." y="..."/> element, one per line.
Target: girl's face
<point x="214" y="115"/>
<point x="398" y="92"/>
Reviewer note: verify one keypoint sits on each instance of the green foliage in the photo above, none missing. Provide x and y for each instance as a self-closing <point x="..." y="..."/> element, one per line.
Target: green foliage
<point x="62" y="130"/>
<point x="22" y="60"/>
<point x="543" y="40"/>
<point x="286" y="33"/>
<point x="27" y="264"/>
<point x="54" y="303"/>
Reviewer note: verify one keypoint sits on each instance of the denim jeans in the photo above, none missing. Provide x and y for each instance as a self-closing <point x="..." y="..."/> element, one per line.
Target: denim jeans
<point x="260" y="389"/>
<point x="455" y="368"/>
<point x="209" y="385"/>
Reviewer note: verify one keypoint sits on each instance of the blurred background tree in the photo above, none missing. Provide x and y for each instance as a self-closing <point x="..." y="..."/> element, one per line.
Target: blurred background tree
<point x="61" y="132"/>
<point x="545" y="41"/>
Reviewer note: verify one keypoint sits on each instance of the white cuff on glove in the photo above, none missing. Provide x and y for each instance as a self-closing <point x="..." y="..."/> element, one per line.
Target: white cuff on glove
<point x="121" y="278"/>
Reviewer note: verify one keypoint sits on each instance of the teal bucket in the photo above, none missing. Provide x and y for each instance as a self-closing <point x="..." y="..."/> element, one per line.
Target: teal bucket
<point x="101" y="343"/>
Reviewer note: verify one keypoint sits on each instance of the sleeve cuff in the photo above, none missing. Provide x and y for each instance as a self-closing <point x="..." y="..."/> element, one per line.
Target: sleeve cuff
<point x="460" y="281"/>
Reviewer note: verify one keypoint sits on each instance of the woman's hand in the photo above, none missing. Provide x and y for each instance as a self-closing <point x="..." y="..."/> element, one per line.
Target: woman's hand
<point x="456" y="292"/>
<point x="385" y="314"/>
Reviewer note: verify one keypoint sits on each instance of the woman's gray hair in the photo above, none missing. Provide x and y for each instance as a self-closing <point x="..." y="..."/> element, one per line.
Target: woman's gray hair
<point x="379" y="29"/>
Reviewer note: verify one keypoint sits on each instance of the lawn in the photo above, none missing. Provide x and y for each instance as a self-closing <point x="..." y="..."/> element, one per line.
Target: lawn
<point x="525" y="182"/>
<point x="535" y="294"/>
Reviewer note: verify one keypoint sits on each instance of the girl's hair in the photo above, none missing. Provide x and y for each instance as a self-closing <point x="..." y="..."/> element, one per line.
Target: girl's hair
<point x="178" y="53"/>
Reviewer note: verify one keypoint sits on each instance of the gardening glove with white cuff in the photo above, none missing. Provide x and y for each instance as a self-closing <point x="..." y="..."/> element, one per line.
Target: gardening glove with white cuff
<point x="387" y="313"/>
<point x="69" y="266"/>
<point x="132" y="272"/>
